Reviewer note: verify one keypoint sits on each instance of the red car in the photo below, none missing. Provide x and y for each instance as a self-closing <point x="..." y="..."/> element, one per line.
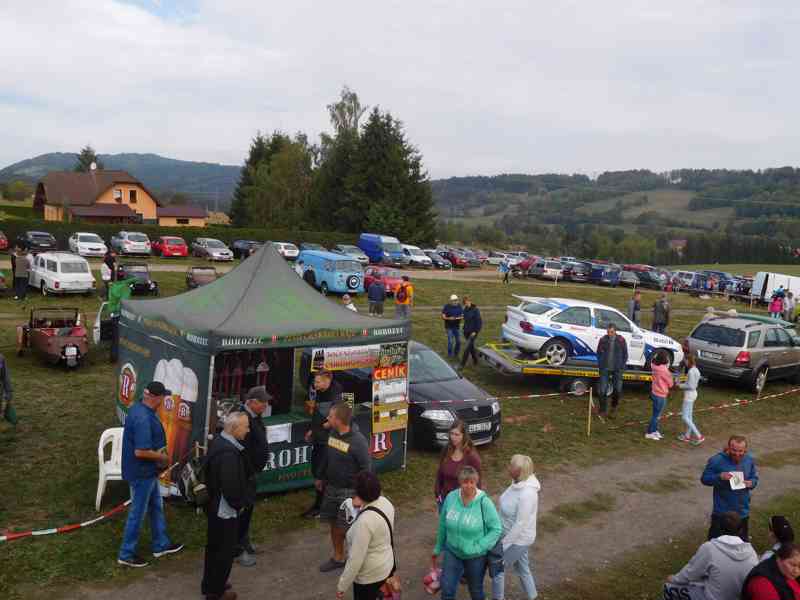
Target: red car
<point x="389" y="278"/>
<point x="458" y="260"/>
<point x="170" y="246"/>
<point x="3" y="241"/>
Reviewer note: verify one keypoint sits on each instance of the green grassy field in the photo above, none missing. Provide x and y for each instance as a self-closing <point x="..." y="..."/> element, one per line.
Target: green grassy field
<point x="49" y="473"/>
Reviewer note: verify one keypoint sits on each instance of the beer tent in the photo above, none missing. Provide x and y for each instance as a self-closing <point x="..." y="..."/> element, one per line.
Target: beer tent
<point x="260" y="306"/>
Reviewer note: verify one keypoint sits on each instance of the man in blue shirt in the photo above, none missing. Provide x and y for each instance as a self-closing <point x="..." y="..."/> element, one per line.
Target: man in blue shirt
<point x="452" y="313"/>
<point x="144" y="456"/>
<point x="730" y="495"/>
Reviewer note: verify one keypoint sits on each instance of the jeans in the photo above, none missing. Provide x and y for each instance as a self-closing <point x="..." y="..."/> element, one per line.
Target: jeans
<point x="469" y="350"/>
<point x="516" y="557"/>
<point x="690" y="591"/>
<point x="453" y="342"/>
<point x="658" y="406"/>
<point x="659" y="327"/>
<point x="368" y="591"/>
<point x="686" y="413"/>
<point x="402" y="311"/>
<point x="145" y="499"/>
<point x="21" y="286"/>
<point x="472" y="569"/>
<point x="611" y="377"/>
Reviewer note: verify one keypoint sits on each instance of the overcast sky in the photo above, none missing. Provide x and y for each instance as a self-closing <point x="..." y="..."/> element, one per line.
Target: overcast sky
<point x="482" y="87"/>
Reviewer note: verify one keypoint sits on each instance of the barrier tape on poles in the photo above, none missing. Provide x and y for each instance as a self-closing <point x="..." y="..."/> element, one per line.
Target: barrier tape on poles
<point x="9" y="537"/>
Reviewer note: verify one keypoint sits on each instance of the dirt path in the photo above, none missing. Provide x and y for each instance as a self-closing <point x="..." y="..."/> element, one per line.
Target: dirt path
<point x="659" y="497"/>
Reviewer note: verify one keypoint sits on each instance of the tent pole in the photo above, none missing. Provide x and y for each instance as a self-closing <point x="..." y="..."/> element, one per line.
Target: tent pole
<point x="408" y="404"/>
<point x="208" y="400"/>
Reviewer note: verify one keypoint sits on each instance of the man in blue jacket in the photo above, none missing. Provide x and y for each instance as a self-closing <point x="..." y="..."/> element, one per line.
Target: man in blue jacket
<point x="720" y="473"/>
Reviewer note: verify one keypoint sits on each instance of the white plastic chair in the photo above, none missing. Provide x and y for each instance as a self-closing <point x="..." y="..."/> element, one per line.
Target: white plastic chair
<point x="111" y="469"/>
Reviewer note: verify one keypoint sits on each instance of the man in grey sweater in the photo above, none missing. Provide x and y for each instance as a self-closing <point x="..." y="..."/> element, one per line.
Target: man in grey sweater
<point x="347" y="454"/>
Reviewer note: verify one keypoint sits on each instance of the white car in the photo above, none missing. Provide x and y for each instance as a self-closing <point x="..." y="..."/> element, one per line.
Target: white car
<point x="416" y="257"/>
<point x="131" y="242"/>
<point x="87" y="244"/>
<point x="212" y="249"/>
<point x="560" y="329"/>
<point x="495" y="258"/>
<point x="61" y="273"/>
<point x="286" y="249"/>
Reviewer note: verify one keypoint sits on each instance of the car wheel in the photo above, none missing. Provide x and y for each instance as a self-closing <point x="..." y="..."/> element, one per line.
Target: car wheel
<point x="556" y="352"/>
<point x="309" y="278"/>
<point x="324" y="288"/>
<point x="759" y="380"/>
<point x="43" y="289"/>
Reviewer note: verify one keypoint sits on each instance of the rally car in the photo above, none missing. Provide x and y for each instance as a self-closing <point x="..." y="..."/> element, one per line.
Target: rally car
<point x="559" y="329"/>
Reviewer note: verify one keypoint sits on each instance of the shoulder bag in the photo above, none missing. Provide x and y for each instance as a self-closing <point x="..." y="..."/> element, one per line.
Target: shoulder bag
<point x="392" y="586"/>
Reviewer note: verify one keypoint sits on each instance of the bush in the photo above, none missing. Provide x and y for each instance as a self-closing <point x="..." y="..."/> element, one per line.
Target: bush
<point x="62" y="231"/>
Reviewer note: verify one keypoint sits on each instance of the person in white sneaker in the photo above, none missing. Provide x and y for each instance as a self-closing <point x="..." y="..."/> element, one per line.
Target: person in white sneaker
<point x="692" y="435"/>
<point x="662" y="382"/>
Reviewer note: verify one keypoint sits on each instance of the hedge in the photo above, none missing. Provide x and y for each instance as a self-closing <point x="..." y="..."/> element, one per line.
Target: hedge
<point x="62" y="231"/>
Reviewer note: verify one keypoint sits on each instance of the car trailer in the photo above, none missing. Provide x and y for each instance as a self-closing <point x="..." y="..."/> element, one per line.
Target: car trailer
<point x="575" y="377"/>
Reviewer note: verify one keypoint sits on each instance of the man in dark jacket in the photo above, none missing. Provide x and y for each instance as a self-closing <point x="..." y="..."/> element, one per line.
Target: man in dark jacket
<point x="348" y="454"/>
<point x="661" y="314"/>
<point x="228" y="474"/>
<point x="612" y="356"/>
<point x="255" y="445"/>
<point x="322" y="395"/>
<point x="376" y="296"/>
<point x="472" y="327"/>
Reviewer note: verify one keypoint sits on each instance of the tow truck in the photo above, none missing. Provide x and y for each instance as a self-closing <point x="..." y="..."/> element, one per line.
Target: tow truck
<point x="575" y="376"/>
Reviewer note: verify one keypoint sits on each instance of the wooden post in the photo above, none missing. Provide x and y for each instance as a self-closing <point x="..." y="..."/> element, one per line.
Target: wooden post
<point x="589" y="416"/>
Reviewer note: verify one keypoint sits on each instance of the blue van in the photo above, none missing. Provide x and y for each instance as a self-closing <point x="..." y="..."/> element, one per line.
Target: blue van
<point x="604" y="274"/>
<point x="382" y="249"/>
<point x="332" y="273"/>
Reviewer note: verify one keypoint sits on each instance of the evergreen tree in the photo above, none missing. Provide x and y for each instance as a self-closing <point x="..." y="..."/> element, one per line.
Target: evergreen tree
<point x="86" y="157"/>
<point x="262" y="149"/>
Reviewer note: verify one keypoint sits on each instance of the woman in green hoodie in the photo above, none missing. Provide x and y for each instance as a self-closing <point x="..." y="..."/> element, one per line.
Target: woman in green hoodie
<point x="468" y="528"/>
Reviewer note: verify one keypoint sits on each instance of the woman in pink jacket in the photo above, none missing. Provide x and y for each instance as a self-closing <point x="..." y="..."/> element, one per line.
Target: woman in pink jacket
<point x="662" y="382"/>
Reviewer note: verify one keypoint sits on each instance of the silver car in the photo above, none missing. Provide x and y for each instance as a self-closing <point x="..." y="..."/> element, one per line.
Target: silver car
<point x="749" y="350"/>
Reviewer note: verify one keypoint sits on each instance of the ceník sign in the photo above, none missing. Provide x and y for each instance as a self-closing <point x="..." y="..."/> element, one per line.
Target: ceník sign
<point x="250" y="327"/>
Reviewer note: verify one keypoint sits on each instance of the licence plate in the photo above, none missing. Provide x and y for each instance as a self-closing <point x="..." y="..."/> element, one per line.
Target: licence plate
<point x="711" y="355"/>
<point x="71" y="351"/>
<point x="476" y="427"/>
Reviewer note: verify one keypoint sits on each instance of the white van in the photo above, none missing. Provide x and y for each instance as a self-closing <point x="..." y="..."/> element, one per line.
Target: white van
<point x="765" y="283"/>
<point x="416" y="257"/>
<point x="61" y="273"/>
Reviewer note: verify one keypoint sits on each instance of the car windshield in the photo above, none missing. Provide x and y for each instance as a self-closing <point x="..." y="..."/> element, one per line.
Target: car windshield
<point x="290" y="247"/>
<point x="174" y="241"/>
<point x="90" y="238"/>
<point x="137" y="237"/>
<point x="347" y="265"/>
<point x="74" y="267"/>
<point x="417" y="252"/>
<point x="427" y="367"/>
<point x="391" y="273"/>
<point x="552" y="265"/>
<point x="215" y="244"/>
<point x="718" y="334"/>
<point x="391" y="247"/>
<point x="41" y="236"/>
<point x="350" y="249"/>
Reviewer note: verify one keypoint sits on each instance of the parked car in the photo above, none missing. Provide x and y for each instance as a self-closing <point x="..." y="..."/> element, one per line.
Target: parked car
<point x="471" y="257"/>
<point x="388" y="277"/>
<point x="143" y="283"/>
<point x="745" y="350"/>
<point x="437" y="260"/>
<point x="3" y="241"/>
<point x="382" y="249"/>
<point x="199" y="276"/>
<point x="524" y="265"/>
<point x="243" y="248"/>
<point x="332" y="273"/>
<point x="495" y="258"/>
<point x="353" y="252"/>
<point x="37" y="241"/>
<point x="416" y="257"/>
<point x="211" y="249"/>
<point x="57" y="335"/>
<point x="605" y="274"/>
<point x="457" y="259"/>
<point x="575" y="271"/>
<point x="437" y="396"/>
<point x="311" y="246"/>
<point x="131" y="243"/>
<point x="651" y="280"/>
<point x="169" y="245"/>
<point x="546" y="269"/>
<point x="61" y="273"/>
<point x="87" y="244"/>
<point x="287" y="250"/>
<point x="559" y="329"/>
<point x="628" y="279"/>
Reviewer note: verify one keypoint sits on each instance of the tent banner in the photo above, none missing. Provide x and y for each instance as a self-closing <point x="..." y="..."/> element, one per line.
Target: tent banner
<point x="345" y="358"/>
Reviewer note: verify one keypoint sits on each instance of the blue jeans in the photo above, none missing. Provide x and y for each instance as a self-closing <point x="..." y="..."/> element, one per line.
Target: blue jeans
<point x="472" y="569"/>
<point x="610" y="381"/>
<point x="515" y="557"/>
<point x="145" y="499"/>
<point x="686" y="414"/>
<point x="453" y="342"/>
<point x="658" y="406"/>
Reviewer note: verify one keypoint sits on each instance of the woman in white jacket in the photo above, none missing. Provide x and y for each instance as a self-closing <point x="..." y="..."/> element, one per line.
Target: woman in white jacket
<point x="518" y="507"/>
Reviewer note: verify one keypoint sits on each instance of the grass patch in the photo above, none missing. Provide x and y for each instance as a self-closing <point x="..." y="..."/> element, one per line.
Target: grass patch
<point x="665" y="485"/>
<point x="779" y="458"/>
<point x="573" y="513"/>
<point x="642" y="573"/>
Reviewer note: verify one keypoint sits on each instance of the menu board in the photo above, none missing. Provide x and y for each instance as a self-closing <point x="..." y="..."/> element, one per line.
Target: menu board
<point x="390" y="388"/>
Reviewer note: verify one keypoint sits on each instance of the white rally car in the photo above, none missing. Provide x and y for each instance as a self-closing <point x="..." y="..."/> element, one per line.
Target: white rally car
<point x="559" y="329"/>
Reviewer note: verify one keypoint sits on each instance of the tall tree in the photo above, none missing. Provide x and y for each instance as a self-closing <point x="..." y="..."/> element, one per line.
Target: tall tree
<point x="262" y="149"/>
<point x="86" y="157"/>
<point x="347" y="112"/>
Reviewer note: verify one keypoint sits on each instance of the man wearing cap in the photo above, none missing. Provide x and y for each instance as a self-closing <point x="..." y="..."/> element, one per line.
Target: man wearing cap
<point x="144" y="456"/>
<point x="452" y="313"/>
<point x="256" y="452"/>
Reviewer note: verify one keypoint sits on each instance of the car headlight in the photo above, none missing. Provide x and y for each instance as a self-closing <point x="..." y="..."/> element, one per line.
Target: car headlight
<point x="495" y="407"/>
<point x="441" y="417"/>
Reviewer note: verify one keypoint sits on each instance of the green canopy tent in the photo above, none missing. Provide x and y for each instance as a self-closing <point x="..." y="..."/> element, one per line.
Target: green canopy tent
<point x="261" y="306"/>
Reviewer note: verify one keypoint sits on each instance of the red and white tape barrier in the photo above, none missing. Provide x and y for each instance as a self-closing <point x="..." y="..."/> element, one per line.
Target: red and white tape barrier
<point x="9" y="537"/>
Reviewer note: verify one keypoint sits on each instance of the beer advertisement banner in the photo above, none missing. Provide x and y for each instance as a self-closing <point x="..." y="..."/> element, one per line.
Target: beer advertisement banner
<point x="345" y="358"/>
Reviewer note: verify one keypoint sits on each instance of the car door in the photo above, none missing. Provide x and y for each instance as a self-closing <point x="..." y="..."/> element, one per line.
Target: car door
<point x="603" y="317"/>
<point x="778" y="343"/>
<point x="576" y="323"/>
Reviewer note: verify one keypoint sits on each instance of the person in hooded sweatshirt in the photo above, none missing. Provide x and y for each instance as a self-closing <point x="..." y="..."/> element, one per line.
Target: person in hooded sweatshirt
<point x="518" y="507"/>
<point x="718" y="569"/>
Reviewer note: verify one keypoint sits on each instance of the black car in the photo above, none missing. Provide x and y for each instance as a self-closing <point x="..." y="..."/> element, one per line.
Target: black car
<point x="37" y="241"/>
<point x="143" y="284"/>
<point x="439" y="262"/>
<point x="575" y="271"/>
<point x="628" y="279"/>
<point x="438" y="396"/>
<point x="244" y="248"/>
<point x="651" y="280"/>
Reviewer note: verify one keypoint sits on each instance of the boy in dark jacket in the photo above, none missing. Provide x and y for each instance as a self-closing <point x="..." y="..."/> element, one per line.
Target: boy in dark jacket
<point x="228" y="473"/>
<point x="472" y="327"/>
<point x="376" y="296"/>
<point x="612" y="357"/>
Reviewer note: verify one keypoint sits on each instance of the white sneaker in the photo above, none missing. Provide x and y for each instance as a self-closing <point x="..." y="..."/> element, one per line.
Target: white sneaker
<point x="658" y="435"/>
<point x="651" y="436"/>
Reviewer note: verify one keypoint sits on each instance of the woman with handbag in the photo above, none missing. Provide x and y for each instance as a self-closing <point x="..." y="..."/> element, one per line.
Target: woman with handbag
<point x="518" y="507"/>
<point x="469" y="531"/>
<point x="370" y="543"/>
<point x="459" y="452"/>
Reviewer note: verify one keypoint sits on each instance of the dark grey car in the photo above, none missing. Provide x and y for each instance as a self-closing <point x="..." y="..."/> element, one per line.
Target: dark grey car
<point x="749" y="350"/>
